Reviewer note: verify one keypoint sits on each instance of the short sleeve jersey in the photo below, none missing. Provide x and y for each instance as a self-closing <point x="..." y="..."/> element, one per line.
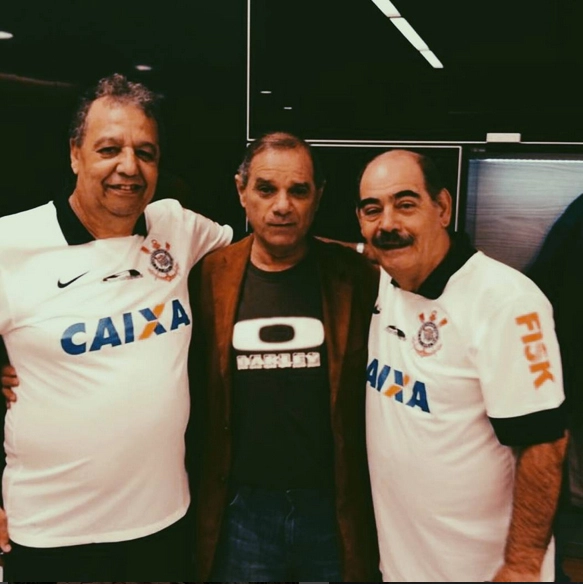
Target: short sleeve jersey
<point x="445" y="372"/>
<point x="98" y="331"/>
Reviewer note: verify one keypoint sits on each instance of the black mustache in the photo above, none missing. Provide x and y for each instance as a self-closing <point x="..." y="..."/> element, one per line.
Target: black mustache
<point x="392" y="240"/>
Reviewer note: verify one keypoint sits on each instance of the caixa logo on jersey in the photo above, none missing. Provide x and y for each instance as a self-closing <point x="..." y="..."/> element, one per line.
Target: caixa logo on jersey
<point x="398" y="385"/>
<point x="129" y="327"/>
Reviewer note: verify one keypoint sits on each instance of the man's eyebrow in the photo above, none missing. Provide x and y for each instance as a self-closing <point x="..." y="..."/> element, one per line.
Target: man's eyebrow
<point x="397" y="196"/>
<point x="368" y="201"/>
<point x="301" y="185"/>
<point x="403" y="194"/>
<point x="105" y="140"/>
<point x="147" y="145"/>
<point x="262" y="181"/>
<point x="113" y="140"/>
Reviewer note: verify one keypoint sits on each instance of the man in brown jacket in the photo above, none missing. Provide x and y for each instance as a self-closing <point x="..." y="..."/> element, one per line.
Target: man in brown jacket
<point x="277" y="377"/>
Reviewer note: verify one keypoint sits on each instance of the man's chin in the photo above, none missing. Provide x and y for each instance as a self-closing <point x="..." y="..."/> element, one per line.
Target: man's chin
<point x="282" y="244"/>
<point x="392" y="258"/>
<point x="127" y="206"/>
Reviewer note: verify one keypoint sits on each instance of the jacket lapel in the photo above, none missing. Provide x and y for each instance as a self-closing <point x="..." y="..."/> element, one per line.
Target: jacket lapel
<point x="337" y="289"/>
<point x="227" y="279"/>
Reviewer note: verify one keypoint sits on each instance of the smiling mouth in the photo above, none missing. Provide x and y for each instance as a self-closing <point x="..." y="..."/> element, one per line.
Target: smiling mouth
<point x="129" y="189"/>
<point x="392" y="246"/>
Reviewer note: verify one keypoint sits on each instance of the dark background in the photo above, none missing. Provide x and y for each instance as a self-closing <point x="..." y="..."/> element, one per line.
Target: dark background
<point x="347" y="73"/>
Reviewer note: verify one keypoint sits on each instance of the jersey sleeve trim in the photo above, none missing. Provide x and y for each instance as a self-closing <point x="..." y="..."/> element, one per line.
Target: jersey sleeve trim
<point x="534" y="428"/>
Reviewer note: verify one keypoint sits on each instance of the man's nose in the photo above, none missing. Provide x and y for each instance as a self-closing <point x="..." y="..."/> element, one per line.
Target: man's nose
<point x="282" y="203"/>
<point x="389" y="220"/>
<point x="128" y="163"/>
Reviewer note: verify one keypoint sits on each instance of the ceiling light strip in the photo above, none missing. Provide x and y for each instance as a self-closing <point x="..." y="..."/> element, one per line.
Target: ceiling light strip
<point x="432" y="59"/>
<point x="387" y="8"/>
<point x="410" y="33"/>
<point x="403" y="25"/>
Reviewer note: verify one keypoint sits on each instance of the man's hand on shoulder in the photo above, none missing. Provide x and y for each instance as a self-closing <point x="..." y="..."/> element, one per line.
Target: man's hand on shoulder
<point x="362" y="248"/>
<point x="9" y="381"/>
<point x="4" y="537"/>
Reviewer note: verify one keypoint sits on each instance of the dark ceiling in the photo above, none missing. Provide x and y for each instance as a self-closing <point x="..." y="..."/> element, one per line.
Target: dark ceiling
<point x="509" y="65"/>
<point x="343" y="68"/>
<point x="78" y="41"/>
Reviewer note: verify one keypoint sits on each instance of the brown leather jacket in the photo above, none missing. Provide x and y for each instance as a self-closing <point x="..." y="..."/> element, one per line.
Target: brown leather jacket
<point x="349" y="289"/>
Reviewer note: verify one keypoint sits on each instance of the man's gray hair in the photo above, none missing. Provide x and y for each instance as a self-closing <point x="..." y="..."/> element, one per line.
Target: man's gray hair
<point x="120" y="90"/>
<point x="279" y="141"/>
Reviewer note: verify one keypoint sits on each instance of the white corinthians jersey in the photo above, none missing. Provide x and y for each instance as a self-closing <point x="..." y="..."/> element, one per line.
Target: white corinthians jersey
<point x="98" y="331"/>
<point x="442" y="374"/>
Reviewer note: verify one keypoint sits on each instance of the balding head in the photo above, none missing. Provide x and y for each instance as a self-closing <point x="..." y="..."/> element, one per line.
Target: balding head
<point x="434" y="183"/>
<point x="404" y="213"/>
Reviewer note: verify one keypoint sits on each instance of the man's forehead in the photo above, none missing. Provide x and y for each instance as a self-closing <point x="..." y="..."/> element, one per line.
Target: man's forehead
<point x="393" y="174"/>
<point x="105" y="106"/>
<point x="112" y="119"/>
<point x="106" y="109"/>
<point x="292" y="163"/>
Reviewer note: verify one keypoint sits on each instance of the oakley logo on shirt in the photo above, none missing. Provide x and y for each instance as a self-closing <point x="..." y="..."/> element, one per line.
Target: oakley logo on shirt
<point x="279" y="342"/>
<point x="122" y="330"/>
<point x="379" y="379"/>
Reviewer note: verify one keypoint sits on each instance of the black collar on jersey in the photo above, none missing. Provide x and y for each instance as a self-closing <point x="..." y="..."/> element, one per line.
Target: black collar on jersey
<point x="75" y="232"/>
<point x="460" y="251"/>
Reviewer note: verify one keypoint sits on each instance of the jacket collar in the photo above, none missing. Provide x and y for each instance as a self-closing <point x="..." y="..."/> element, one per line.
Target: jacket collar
<point x="337" y="292"/>
<point x="75" y="232"/>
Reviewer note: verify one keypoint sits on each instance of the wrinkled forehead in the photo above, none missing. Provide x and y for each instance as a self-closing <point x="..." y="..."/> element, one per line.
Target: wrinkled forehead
<point x="390" y="175"/>
<point x="107" y="113"/>
<point x="291" y="165"/>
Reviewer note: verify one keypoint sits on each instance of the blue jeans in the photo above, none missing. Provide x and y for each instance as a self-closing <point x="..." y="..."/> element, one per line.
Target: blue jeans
<point x="272" y="535"/>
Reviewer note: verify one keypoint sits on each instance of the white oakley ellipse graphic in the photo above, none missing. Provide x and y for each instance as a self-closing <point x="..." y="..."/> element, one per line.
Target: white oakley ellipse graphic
<point x="280" y="333"/>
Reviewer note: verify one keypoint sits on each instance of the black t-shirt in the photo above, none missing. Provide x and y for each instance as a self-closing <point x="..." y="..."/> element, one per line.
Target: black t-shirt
<point x="281" y="397"/>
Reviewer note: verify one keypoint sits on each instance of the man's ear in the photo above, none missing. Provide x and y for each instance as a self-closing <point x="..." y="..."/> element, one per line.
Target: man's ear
<point x="319" y="193"/>
<point x="444" y="202"/>
<point x="240" y="190"/>
<point x="74" y="153"/>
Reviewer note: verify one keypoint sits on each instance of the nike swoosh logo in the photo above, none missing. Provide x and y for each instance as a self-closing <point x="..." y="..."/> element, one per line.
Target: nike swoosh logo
<point x="65" y="284"/>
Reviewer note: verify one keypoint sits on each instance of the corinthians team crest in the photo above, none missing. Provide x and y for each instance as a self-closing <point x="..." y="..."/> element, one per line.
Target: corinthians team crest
<point x="162" y="264"/>
<point x="427" y="340"/>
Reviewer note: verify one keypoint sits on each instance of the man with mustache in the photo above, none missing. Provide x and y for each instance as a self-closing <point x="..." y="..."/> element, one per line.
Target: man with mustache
<point x="465" y="435"/>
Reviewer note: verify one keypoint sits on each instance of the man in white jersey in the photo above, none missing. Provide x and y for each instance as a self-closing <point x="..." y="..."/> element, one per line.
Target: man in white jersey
<point x="95" y="315"/>
<point x="465" y="436"/>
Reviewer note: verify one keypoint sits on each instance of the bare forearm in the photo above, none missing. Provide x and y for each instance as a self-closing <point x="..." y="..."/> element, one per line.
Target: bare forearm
<point x="536" y="492"/>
